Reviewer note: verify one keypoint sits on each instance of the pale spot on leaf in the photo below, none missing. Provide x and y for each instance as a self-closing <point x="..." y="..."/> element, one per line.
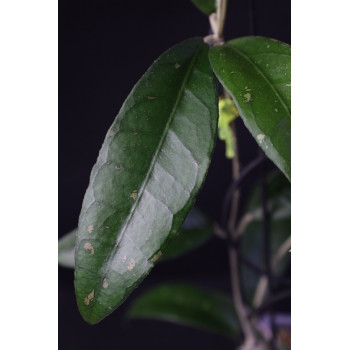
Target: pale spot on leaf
<point x="111" y="133"/>
<point x="260" y="138"/>
<point x="156" y="257"/>
<point x="105" y="284"/>
<point x="248" y="97"/>
<point x="89" y="297"/>
<point x="88" y="246"/>
<point x="177" y="65"/>
<point x="131" y="264"/>
<point x="276" y="110"/>
<point x="151" y="97"/>
<point x="90" y="228"/>
<point x="133" y="195"/>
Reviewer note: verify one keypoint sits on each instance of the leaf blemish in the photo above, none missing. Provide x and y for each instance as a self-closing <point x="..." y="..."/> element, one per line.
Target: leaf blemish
<point x="150" y="97"/>
<point x="177" y="65"/>
<point x="90" y="228"/>
<point x="88" y="247"/>
<point x="247" y="89"/>
<point x="124" y="258"/>
<point x="260" y="138"/>
<point x="104" y="284"/>
<point x="133" y="195"/>
<point x="131" y="264"/>
<point x="156" y="257"/>
<point x="111" y="133"/>
<point x="198" y="164"/>
<point x="89" y="297"/>
<point x="276" y="110"/>
<point x="248" y="97"/>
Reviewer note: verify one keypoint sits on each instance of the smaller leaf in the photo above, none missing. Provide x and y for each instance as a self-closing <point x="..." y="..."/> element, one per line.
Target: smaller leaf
<point x="66" y="248"/>
<point x="227" y="114"/>
<point x="206" y="6"/>
<point x="256" y="71"/>
<point x="187" y="305"/>
<point x="278" y="192"/>
<point x="195" y="231"/>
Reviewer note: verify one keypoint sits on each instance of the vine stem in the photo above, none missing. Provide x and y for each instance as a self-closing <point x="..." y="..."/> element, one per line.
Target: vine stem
<point x="248" y="330"/>
<point x="217" y="22"/>
<point x="221" y="6"/>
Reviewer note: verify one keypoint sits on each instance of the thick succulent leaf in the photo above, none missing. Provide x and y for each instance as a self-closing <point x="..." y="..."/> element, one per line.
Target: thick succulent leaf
<point x="150" y="168"/>
<point x="257" y="73"/>
<point x="66" y="246"/>
<point x="187" y="305"/>
<point x="195" y="231"/>
<point x="206" y="6"/>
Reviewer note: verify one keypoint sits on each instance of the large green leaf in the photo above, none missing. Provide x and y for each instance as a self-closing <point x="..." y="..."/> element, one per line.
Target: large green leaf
<point x="206" y="6"/>
<point x="150" y="168"/>
<point x="196" y="230"/>
<point x="256" y="71"/>
<point x="187" y="305"/>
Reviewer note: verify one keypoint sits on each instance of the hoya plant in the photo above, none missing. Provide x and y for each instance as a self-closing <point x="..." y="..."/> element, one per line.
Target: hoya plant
<point x="138" y="208"/>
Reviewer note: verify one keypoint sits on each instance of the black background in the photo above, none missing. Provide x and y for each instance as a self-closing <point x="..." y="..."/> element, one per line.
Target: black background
<point x="104" y="48"/>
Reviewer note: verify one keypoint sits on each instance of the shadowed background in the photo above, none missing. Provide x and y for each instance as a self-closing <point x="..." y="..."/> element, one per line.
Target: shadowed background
<point x="104" y="48"/>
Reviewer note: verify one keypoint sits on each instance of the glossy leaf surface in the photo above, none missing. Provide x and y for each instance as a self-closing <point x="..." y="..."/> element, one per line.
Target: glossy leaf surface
<point x="206" y="6"/>
<point x="148" y="172"/>
<point x="187" y="305"/>
<point x="196" y="230"/>
<point x="66" y="246"/>
<point x="257" y="73"/>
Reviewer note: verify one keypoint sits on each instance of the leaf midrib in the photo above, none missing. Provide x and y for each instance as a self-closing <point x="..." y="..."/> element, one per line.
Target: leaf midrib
<point x="261" y="73"/>
<point x="145" y="182"/>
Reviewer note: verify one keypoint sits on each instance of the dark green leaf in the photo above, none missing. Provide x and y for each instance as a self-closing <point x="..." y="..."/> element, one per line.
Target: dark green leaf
<point x="278" y="194"/>
<point x="278" y="189"/>
<point x="66" y="249"/>
<point x="187" y="305"/>
<point x="206" y="6"/>
<point x="195" y="231"/>
<point x="150" y="168"/>
<point x="252" y="248"/>
<point x="256" y="71"/>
